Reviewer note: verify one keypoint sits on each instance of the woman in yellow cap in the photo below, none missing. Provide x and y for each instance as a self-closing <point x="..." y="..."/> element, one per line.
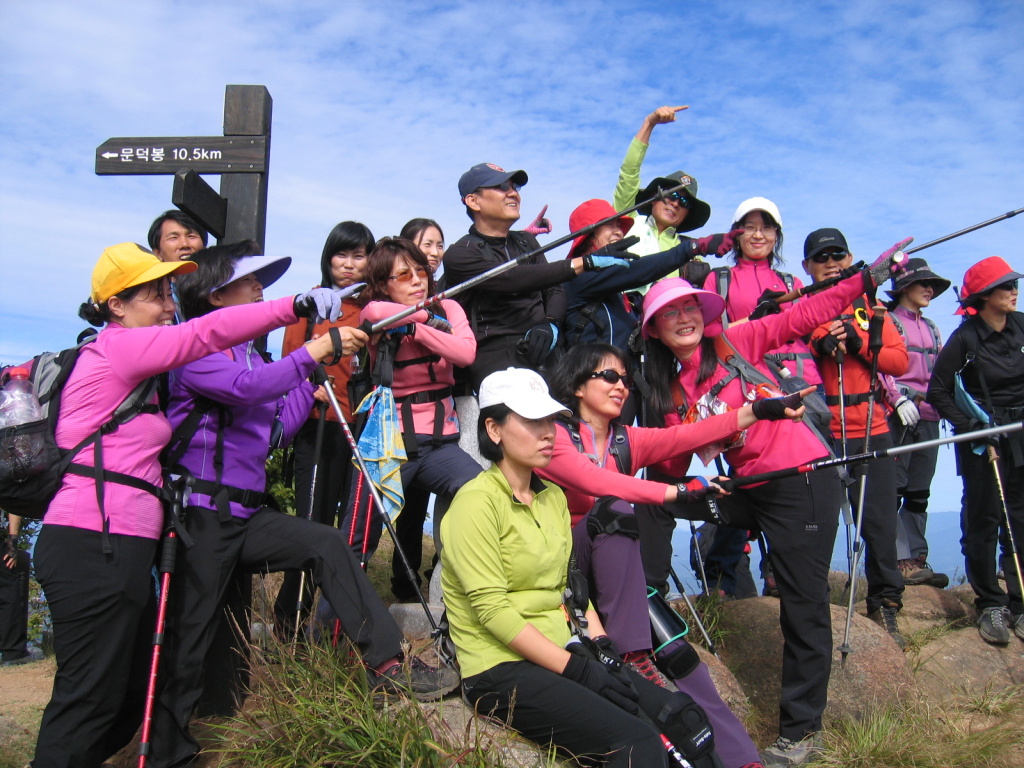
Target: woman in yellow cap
<point x="99" y="537"/>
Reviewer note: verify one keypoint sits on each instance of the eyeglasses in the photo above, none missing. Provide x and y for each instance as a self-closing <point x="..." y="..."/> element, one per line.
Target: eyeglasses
<point x="764" y="229"/>
<point x="1010" y="285"/>
<point x="405" y="275"/>
<point x="505" y="186"/>
<point x="612" y="377"/>
<point x="824" y="258"/>
<point x="672" y="314"/>
<point x="679" y="198"/>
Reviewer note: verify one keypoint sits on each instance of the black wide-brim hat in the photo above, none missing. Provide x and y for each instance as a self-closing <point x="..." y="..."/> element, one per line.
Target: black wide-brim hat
<point x="918" y="271"/>
<point x="700" y="211"/>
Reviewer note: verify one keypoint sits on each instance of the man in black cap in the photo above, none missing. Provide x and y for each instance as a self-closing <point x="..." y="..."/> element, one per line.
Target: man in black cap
<point x="826" y="254"/>
<point x="913" y="420"/>
<point x="515" y="316"/>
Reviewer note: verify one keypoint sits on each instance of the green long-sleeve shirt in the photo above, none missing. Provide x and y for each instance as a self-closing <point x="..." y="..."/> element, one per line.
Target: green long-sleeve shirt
<point x="504" y="565"/>
<point x="626" y="189"/>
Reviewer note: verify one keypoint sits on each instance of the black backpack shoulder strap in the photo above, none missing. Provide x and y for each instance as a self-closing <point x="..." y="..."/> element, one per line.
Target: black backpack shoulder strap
<point x="620" y="449"/>
<point x="723" y="275"/>
<point x="787" y="279"/>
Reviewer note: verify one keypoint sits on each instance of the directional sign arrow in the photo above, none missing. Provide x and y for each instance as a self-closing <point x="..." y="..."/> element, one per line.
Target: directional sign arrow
<point x="203" y="154"/>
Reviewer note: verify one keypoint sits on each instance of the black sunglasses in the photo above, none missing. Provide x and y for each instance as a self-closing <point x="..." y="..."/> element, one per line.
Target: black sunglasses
<point x="1010" y="285"/>
<point x="612" y="377"/>
<point x="679" y="197"/>
<point x="824" y="258"/>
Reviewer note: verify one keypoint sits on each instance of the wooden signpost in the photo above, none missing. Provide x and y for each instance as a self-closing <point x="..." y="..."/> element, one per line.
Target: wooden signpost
<point x="241" y="157"/>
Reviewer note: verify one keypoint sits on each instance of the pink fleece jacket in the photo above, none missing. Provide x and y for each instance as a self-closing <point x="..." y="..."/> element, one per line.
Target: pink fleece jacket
<point x="583" y="479"/>
<point x="747" y="281"/>
<point x="457" y="348"/>
<point x="106" y="372"/>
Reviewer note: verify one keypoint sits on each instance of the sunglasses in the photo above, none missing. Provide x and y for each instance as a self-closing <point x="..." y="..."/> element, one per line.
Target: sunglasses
<point x="405" y="275"/>
<point x="679" y="197"/>
<point x="1010" y="285"/>
<point x="612" y="377"/>
<point x="824" y="258"/>
<point x="505" y="186"/>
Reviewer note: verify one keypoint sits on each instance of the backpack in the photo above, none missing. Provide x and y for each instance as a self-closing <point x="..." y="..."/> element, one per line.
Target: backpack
<point x="724" y="274"/>
<point x="28" y="489"/>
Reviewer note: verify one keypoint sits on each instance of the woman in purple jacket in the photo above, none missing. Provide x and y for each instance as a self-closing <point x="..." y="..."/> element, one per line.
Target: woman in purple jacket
<point x="244" y="405"/>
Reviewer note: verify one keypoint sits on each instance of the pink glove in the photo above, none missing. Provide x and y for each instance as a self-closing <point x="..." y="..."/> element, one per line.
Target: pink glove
<point x="540" y="225"/>
<point x="890" y="263"/>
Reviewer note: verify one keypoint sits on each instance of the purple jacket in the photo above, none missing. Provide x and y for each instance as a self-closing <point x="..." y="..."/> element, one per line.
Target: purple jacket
<point x="919" y="373"/>
<point x="256" y="394"/>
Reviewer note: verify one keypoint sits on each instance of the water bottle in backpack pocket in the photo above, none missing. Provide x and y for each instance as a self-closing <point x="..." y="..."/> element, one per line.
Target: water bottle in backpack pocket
<point x="24" y="451"/>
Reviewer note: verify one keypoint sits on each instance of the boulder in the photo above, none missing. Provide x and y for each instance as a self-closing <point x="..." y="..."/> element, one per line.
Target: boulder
<point x="728" y="687"/>
<point x="926" y="608"/>
<point x="875" y="672"/>
<point x="962" y="661"/>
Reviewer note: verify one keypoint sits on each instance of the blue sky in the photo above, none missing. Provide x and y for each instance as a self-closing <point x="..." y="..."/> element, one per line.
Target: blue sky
<point x="884" y="119"/>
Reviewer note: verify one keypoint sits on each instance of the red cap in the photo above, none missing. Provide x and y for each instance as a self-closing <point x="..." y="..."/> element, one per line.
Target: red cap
<point x="983" y="277"/>
<point x="589" y="213"/>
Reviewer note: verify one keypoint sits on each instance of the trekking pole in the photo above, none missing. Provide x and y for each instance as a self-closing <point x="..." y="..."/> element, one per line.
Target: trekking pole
<point x="845" y="505"/>
<point x="1007" y="215"/>
<point x="168" y="555"/>
<point x="375" y="496"/>
<point x="318" y="444"/>
<point x="472" y="282"/>
<point x="993" y="458"/>
<point x="874" y="346"/>
<point x="693" y="609"/>
<point x="881" y="453"/>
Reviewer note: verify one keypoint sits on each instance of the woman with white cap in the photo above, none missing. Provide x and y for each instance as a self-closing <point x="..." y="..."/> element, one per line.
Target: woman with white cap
<point x="506" y="554"/>
<point x="988" y="352"/>
<point x="229" y="409"/>
<point x="912" y="419"/>
<point x="99" y="538"/>
<point x="798" y="515"/>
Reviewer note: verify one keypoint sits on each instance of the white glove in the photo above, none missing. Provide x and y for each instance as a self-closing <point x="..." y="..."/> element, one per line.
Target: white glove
<point x="907" y="412"/>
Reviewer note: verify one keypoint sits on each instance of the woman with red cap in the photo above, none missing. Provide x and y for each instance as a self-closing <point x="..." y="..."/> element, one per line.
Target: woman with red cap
<point x="987" y="350"/>
<point x="798" y="515"/>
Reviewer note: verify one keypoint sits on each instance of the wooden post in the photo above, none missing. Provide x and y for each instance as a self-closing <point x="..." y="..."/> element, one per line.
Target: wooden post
<point x="247" y="112"/>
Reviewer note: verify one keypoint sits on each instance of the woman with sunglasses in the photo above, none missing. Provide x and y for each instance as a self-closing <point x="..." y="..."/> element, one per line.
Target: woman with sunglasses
<point x="987" y="350"/>
<point x="589" y="448"/>
<point x="96" y="550"/>
<point x="506" y="556"/>
<point x="430" y="344"/>
<point x="798" y="515"/>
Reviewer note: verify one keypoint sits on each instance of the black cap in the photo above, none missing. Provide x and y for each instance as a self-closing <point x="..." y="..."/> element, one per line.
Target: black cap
<point x="488" y="175"/>
<point x="821" y="239"/>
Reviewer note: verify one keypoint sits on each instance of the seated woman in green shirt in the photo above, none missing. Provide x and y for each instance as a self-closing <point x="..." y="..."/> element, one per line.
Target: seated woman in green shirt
<point x="505" y="560"/>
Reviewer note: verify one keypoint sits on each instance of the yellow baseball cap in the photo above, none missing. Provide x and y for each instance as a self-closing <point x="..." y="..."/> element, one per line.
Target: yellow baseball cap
<point x="122" y="266"/>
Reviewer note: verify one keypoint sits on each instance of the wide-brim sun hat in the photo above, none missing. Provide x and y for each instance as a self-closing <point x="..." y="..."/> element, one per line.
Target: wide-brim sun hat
<point x="126" y="265"/>
<point x="984" y="277"/>
<point x="918" y="271"/>
<point x="700" y="211"/>
<point x="267" y="269"/>
<point x="757" y="204"/>
<point x="666" y="291"/>
<point x="589" y="213"/>
<point x="522" y="390"/>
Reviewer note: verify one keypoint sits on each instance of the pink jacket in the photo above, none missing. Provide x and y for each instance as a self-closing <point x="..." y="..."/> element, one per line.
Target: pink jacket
<point x="770" y="445"/>
<point x="747" y="281"/>
<point x="457" y="348"/>
<point x="583" y="479"/>
<point x="107" y="371"/>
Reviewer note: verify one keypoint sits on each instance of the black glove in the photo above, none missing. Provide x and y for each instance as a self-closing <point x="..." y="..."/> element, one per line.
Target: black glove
<point x="438" y="322"/>
<point x="853" y="340"/>
<point x="774" y="408"/>
<point x="604" y="649"/>
<point x="602" y="680"/>
<point x="826" y="345"/>
<point x="767" y="304"/>
<point x="992" y="440"/>
<point x="715" y="245"/>
<point x="538" y="343"/>
<point x="692" y="491"/>
<point x="612" y="255"/>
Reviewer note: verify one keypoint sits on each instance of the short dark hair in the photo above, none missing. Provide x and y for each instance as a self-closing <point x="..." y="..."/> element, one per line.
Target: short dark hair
<point x="174" y="215"/>
<point x="488" y="449"/>
<point x="216" y="266"/>
<point x="382" y="260"/>
<point x="99" y="315"/>
<point x="346" y="236"/>
<point x="776" y="254"/>
<point x="575" y="368"/>
<point x="415" y="227"/>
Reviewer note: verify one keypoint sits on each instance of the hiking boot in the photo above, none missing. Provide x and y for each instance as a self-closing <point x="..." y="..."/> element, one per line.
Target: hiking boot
<point x="771" y="587"/>
<point x="885" y="617"/>
<point x="916" y="572"/>
<point x="642" y="663"/>
<point x="416" y="678"/>
<point x="785" y="752"/>
<point x="992" y="625"/>
<point x="1018" y="626"/>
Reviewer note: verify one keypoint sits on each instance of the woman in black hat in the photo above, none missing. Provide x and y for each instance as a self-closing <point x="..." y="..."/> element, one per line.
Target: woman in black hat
<point x="987" y="350"/>
<point x="912" y="419"/>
